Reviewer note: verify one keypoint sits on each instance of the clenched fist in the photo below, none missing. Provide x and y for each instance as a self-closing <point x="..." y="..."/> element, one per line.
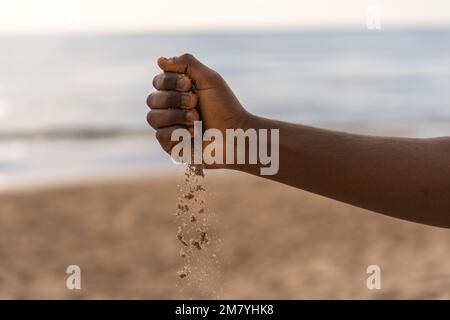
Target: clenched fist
<point x="187" y="91"/>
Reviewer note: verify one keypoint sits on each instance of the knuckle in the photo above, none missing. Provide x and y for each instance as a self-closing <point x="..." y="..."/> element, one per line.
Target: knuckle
<point x="169" y="117"/>
<point x="179" y="116"/>
<point x="155" y="81"/>
<point x="187" y="117"/>
<point x="167" y="147"/>
<point x="150" y="99"/>
<point x="159" y="99"/>
<point x="177" y="98"/>
<point x="168" y="81"/>
<point x="214" y="76"/>
<point x="195" y="115"/>
<point x="171" y="99"/>
<point x="187" y="81"/>
<point x="159" y="136"/>
<point x="194" y="100"/>
<point x="151" y="119"/>
<point x="165" y="99"/>
<point x="187" y="57"/>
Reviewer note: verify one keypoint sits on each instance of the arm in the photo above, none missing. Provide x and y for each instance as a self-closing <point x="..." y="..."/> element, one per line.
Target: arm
<point x="400" y="177"/>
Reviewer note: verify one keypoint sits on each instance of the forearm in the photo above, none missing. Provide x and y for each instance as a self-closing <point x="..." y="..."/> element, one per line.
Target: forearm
<point x="400" y="177"/>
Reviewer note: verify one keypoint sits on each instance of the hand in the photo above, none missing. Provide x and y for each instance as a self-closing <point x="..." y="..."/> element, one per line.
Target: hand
<point x="174" y="106"/>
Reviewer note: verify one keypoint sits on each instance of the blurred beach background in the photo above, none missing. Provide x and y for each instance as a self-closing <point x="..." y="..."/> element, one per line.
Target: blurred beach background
<point x="84" y="181"/>
<point x="73" y="107"/>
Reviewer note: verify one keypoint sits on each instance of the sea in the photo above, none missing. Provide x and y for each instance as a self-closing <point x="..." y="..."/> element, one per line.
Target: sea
<point x="73" y="108"/>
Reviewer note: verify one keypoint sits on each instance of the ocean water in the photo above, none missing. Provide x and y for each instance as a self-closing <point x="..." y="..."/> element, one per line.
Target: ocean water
<point x="73" y="107"/>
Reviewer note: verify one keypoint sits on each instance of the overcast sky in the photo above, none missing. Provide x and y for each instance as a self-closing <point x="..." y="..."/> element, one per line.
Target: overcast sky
<point x="57" y="16"/>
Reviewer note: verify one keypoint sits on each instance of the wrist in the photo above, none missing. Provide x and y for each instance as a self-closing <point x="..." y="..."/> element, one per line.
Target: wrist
<point x="249" y="121"/>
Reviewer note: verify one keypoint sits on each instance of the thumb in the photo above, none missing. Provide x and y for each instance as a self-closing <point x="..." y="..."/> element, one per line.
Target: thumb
<point x="187" y="64"/>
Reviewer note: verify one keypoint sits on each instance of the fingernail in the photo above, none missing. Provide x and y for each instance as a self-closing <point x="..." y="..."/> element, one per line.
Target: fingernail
<point x="189" y="115"/>
<point x="180" y="83"/>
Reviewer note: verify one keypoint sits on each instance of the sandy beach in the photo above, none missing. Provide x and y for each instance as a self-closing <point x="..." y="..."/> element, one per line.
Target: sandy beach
<point x="273" y="242"/>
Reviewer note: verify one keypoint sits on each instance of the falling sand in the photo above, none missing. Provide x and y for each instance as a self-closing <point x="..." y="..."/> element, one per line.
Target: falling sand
<point x="200" y="265"/>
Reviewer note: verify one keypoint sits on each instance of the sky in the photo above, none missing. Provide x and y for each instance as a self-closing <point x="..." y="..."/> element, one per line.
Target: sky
<point x="97" y="16"/>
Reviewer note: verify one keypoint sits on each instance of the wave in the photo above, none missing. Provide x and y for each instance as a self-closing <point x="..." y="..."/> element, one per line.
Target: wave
<point x="64" y="134"/>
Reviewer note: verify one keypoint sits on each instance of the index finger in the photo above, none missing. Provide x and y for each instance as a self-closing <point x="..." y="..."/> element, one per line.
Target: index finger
<point x="172" y="81"/>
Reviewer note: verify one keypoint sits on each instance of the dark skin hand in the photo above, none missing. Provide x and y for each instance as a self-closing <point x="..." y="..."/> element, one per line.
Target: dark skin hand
<point x="404" y="178"/>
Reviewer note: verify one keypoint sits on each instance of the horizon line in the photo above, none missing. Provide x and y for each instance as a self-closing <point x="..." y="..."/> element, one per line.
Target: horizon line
<point x="225" y="30"/>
